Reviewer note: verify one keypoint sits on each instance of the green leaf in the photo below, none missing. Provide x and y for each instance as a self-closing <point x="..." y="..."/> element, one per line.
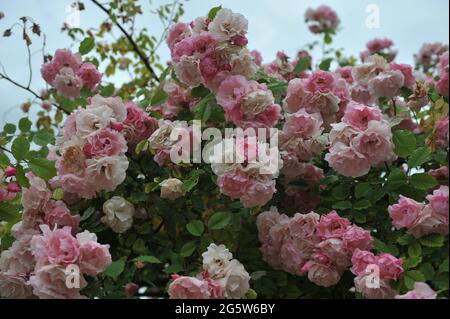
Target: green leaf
<point x="25" y="124"/>
<point x="107" y="91"/>
<point x="428" y="270"/>
<point x="115" y="269"/>
<point x="213" y="12"/>
<point x="415" y="250"/>
<point x="411" y="277"/>
<point x="433" y="241"/>
<point x="43" y="138"/>
<point x="219" y="220"/>
<point x="325" y="64"/>
<point x="444" y="266"/>
<point x="301" y="66"/>
<point x="148" y="259"/>
<point x="192" y="181"/>
<point x="396" y="179"/>
<point x="362" y="190"/>
<point x="342" y="205"/>
<point x="87" y="213"/>
<point x="9" y="128"/>
<point x="405" y="143"/>
<point x="20" y="148"/>
<point x="42" y="167"/>
<point x="419" y="157"/>
<point x="159" y="98"/>
<point x="20" y="177"/>
<point x="423" y="181"/>
<point x="196" y="228"/>
<point x="200" y="91"/>
<point x="327" y="38"/>
<point x="411" y="262"/>
<point x="9" y="213"/>
<point x="86" y="45"/>
<point x="405" y="240"/>
<point x="4" y="159"/>
<point x="362" y="204"/>
<point x="384" y="248"/>
<point x="188" y="249"/>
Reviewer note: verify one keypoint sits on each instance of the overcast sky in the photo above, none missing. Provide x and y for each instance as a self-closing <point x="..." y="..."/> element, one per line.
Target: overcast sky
<point x="273" y="25"/>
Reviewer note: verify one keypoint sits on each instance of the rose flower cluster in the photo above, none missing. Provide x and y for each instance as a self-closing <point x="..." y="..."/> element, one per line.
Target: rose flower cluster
<point x="47" y="243"/>
<point x="222" y="277"/>
<point x="321" y="246"/>
<point x="68" y="75"/>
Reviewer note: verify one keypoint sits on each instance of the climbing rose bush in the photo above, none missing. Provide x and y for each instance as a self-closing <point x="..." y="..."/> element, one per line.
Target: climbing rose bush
<point x="329" y="180"/>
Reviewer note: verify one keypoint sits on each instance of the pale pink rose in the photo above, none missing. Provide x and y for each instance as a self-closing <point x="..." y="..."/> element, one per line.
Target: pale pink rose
<point x="303" y="225"/>
<point x="49" y="72"/>
<point x="265" y="221"/>
<point x="6" y="195"/>
<point x="65" y="59"/>
<point x="296" y="95"/>
<point x="439" y="203"/>
<point x="443" y="84"/>
<point x="14" y="286"/>
<point x="346" y="160"/>
<point x="405" y="213"/>
<point x="57" y="214"/>
<point x="70" y="126"/>
<point x="428" y="223"/>
<point x="257" y="57"/>
<point x="138" y="124"/>
<point x="115" y="104"/>
<point x="302" y="124"/>
<point x="376" y="45"/>
<point x="441" y="173"/>
<point x="188" y="288"/>
<point x="107" y="173"/>
<point x="363" y="285"/>
<point x="227" y="25"/>
<point x="188" y="71"/>
<point x="421" y="291"/>
<point x="361" y="259"/>
<point x="407" y="72"/>
<point x="359" y="115"/>
<point x="74" y="184"/>
<point x="209" y="67"/>
<point x="177" y="32"/>
<point x="291" y="260"/>
<point x="332" y="251"/>
<point x="216" y="82"/>
<point x="90" y="75"/>
<point x="171" y="189"/>
<point x="390" y="267"/>
<point x="56" y="247"/>
<point x="375" y="143"/>
<point x="216" y="291"/>
<point x="322" y="19"/>
<point x="67" y="83"/>
<point x="357" y="238"/>
<point x="72" y="160"/>
<point x="94" y="257"/>
<point x="49" y="282"/>
<point x="361" y="94"/>
<point x="387" y="84"/>
<point x="162" y="157"/>
<point x="442" y="133"/>
<point x="233" y="90"/>
<point x="342" y="133"/>
<point x="233" y="184"/>
<point x="90" y="120"/>
<point x="104" y="143"/>
<point x="294" y="170"/>
<point x="322" y="275"/>
<point x="322" y="81"/>
<point x="37" y="195"/>
<point x="18" y="258"/>
<point x="258" y="193"/>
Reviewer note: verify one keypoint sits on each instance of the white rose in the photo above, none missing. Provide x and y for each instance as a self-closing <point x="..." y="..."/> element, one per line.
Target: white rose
<point x="171" y="188"/>
<point x="227" y="25"/>
<point x="216" y="259"/>
<point x="114" y="103"/>
<point x="107" y="173"/>
<point x="235" y="281"/>
<point x="89" y="121"/>
<point x="118" y="214"/>
<point x="243" y="64"/>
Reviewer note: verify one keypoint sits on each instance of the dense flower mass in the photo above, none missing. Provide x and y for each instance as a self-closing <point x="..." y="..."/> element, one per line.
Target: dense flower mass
<point x="223" y="176"/>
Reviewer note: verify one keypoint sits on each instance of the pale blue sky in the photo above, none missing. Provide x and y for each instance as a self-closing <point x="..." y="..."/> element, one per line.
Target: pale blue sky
<point x="273" y="25"/>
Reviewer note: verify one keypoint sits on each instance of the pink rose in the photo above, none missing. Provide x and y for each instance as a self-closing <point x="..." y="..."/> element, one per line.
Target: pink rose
<point x="65" y="59"/>
<point x="345" y="73"/>
<point x="364" y="285"/>
<point x="14" y="286"/>
<point x="18" y="258"/>
<point x="302" y="124"/>
<point x="442" y="133"/>
<point x="138" y="124"/>
<point x="104" y="143"/>
<point x="56" y="247"/>
<point x="188" y="71"/>
<point x="421" y="291"/>
<point x="257" y="57"/>
<point x="375" y="143"/>
<point x="258" y="193"/>
<point x="405" y="213"/>
<point x="177" y="32"/>
<point x="347" y="161"/>
<point x="49" y="72"/>
<point x="90" y="75"/>
<point x="233" y="184"/>
<point x="439" y="203"/>
<point x="37" y="195"/>
<point x="323" y="275"/>
<point x="265" y="221"/>
<point x="361" y="259"/>
<point x="107" y="173"/>
<point x="357" y="238"/>
<point x="94" y="257"/>
<point x="67" y="83"/>
<point x="57" y="214"/>
<point x="359" y="115"/>
<point x="321" y="81"/>
<point x="407" y="72"/>
<point x="291" y="260"/>
<point x="303" y="225"/>
<point x="387" y="84"/>
<point x="390" y="267"/>
<point x="188" y="288"/>
<point x="332" y="226"/>
<point x="296" y="95"/>
<point x="49" y="282"/>
<point x="429" y="223"/>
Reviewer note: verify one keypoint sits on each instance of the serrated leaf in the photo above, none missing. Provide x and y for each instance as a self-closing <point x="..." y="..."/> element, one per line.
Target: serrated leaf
<point x="20" y="148"/>
<point x="42" y="167"/>
<point x="362" y="190"/>
<point x="415" y="250"/>
<point x="433" y="241"/>
<point x="423" y="181"/>
<point x="405" y="143"/>
<point x="362" y="204"/>
<point x="419" y="157"/>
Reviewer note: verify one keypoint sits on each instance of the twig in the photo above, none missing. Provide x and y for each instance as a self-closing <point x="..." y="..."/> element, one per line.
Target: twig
<point x="4" y="76"/>
<point x="130" y="39"/>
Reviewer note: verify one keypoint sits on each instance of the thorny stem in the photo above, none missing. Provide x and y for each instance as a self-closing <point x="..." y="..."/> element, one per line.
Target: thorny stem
<point x="130" y="39"/>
